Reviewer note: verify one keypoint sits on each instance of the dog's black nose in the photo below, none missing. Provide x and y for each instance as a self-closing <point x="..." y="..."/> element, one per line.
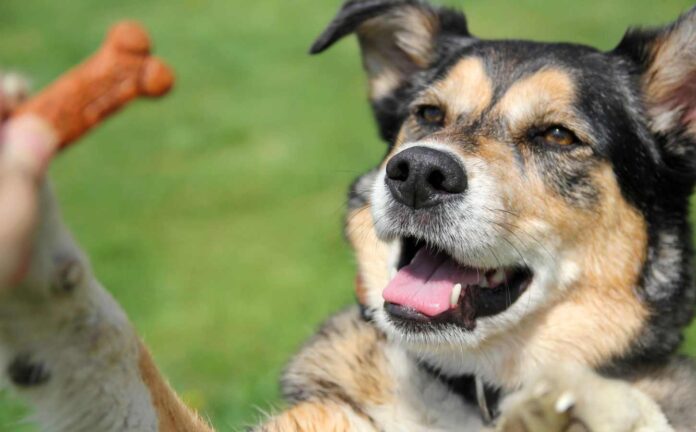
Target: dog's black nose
<point x="423" y="177"/>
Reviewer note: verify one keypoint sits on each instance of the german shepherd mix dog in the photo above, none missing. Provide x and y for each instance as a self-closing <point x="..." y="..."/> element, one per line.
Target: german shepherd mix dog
<point x="523" y="250"/>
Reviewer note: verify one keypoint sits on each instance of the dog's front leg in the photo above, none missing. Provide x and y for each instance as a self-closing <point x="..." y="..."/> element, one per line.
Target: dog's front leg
<point x="69" y="350"/>
<point x="318" y="416"/>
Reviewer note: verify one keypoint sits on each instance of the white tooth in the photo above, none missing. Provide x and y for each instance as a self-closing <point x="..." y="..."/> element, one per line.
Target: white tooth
<point x="498" y="277"/>
<point x="483" y="282"/>
<point x="454" y="296"/>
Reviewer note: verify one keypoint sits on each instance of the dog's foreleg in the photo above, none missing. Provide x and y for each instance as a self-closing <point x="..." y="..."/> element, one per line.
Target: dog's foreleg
<point x="68" y="349"/>
<point x="319" y="416"/>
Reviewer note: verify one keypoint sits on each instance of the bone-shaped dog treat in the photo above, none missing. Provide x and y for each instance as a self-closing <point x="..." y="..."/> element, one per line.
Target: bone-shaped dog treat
<point x="119" y="72"/>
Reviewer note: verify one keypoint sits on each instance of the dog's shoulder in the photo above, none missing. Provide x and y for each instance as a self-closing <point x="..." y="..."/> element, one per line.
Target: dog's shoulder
<point x="350" y="363"/>
<point x="344" y="360"/>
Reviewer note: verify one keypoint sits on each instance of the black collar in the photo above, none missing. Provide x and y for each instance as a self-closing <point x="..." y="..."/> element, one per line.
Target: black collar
<point x="471" y="389"/>
<point x="467" y="387"/>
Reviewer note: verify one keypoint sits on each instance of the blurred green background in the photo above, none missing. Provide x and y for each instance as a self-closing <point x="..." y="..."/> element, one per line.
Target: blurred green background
<point x="214" y="215"/>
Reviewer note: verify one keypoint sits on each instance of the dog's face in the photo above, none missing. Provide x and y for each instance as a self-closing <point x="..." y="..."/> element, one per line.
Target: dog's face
<point x="533" y="195"/>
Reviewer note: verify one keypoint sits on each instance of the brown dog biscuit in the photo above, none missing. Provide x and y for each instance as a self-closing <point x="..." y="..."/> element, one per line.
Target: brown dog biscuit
<point x="119" y="72"/>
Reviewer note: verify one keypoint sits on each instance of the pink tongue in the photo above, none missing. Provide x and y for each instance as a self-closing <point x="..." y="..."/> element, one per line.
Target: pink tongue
<point x="426" y="284"/>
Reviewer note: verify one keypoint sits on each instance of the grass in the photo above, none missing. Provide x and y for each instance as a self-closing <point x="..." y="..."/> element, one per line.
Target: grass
<point x="214" y="216"/>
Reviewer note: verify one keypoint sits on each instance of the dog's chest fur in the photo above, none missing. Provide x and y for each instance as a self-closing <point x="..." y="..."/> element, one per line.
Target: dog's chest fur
<point x="378" y="379"/>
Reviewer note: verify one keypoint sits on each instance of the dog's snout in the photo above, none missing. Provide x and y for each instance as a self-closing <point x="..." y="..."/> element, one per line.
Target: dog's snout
<point x="423" y="177"/>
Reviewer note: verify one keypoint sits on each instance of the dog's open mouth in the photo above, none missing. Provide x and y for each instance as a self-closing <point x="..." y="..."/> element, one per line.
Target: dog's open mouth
<point x="431" y="287"/>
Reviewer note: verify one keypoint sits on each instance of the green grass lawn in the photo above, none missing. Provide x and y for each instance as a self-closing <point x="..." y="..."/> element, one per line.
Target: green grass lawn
<point x="214" y="216"/>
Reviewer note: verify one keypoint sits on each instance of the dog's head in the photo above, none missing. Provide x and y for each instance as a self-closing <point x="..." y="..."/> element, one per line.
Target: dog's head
<point x="532" y="205"/>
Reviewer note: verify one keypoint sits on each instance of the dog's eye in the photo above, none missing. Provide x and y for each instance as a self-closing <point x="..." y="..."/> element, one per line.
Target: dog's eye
<point x="557" y="135"/>
<point x="430" y="115"/>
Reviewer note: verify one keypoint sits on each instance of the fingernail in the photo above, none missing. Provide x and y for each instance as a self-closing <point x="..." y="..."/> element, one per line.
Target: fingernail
<point x="14" y="89"/>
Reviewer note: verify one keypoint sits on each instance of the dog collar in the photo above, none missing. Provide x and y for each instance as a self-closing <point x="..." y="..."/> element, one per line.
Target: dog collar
<point x="472" y="390"/>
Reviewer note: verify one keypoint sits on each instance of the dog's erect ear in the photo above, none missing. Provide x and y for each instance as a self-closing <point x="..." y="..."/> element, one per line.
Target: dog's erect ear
<point x="667" y="65"/>
<point x="398" y="38"/>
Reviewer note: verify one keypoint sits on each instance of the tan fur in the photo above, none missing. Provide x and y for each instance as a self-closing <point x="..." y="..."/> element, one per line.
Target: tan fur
<point x="172" y="413"/>
<point x="371" y="254"/>
<point x="413" y="29"/>
<point x="320" y="416"/>
<point x="417" y="39"/>
<point x="599" y="314"/>
<point x="384" y="83"/>
<point x="359" y="373"/>
<point x="545" y="97"/>
<point x="466" y="90"/>
<point x="673" y="60"/>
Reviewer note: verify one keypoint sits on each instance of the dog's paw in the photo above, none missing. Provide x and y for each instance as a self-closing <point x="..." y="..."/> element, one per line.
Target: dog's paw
<point x="541" y="407"/>
<point x="575" y="399"/>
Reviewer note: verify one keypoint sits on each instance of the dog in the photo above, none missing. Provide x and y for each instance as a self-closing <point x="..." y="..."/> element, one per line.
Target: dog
<point x="524" y="240"/>
<point x="523" y="249"/>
